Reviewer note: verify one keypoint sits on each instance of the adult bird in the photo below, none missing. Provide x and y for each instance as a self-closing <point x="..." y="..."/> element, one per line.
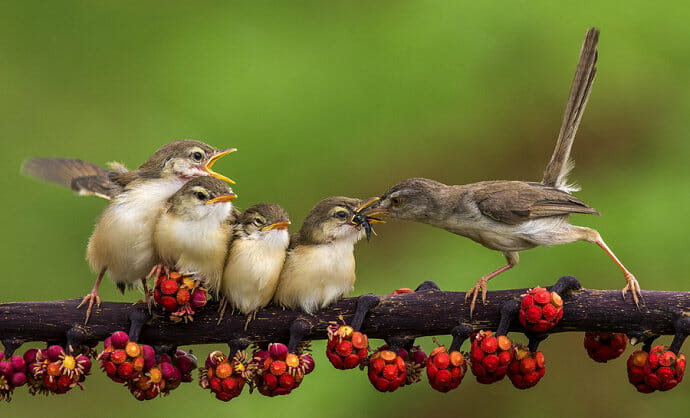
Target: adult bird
<point x="513" y="216"/>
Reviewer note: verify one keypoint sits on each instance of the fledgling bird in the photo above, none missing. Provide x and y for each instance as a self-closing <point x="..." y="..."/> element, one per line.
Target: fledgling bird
<point x="122" y="240"/>
<point x="255" y="258"/>
<point x="194" y="228"/>
<point x="320" y="264"/>
<point x="512" y="216"/>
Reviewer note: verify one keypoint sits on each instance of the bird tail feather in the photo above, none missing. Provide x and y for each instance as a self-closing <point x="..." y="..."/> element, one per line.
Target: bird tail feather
<point x="82" y="177"/>
<point x="560" y="164"/>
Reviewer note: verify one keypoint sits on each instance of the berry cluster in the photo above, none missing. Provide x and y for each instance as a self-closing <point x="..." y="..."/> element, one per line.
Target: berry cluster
<point x="124" y="360"/>
<point x="660" y="369"/>
<point x="223" y="376"/>
<point x="166" y="375"/>
<point x="346" y="348"/>
<point x="136" y="366"/>
<point x="605" y="346"/>
<point x="445" y="370"/>
<point x="540" y="310"/>
<point x="387" y="370"/>
<point x="179" y="294"/>
<point x="527" y="368"/>
<point x="278" y="372"/>
<point x="13" y="373"/>
<point x="490" y="356"/>
<point x="52" y="370"/>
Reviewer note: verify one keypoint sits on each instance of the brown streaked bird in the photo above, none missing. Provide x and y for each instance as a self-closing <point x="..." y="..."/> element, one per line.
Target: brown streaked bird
<point x="513" y="216"/>
<point x="255" y="258"/>
<point x="122" y="240"/>
<point x="320" y="264"/>
<point x="194" y="228"/>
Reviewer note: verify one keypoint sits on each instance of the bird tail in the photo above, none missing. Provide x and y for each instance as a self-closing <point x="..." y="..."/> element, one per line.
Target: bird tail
<point x="84" y="178"/>
<point x="560" y="165"/>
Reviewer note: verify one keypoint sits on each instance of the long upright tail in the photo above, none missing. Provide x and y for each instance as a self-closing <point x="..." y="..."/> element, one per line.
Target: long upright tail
<point x="80" y="176"/>
<point x="560" y="164"/>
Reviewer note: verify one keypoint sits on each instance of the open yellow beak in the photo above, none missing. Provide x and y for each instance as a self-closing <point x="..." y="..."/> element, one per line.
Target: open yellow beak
<point x="277" y="225"/>
<point x="366" y="203"/>
<point x="215" y="157"/>
<point x="222" y="198"/>
<point x="370" y="212"/>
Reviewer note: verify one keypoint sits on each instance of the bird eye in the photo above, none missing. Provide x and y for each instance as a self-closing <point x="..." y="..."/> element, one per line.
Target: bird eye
<point x="197" y="156"/>
<point x="258" y="222"/>
<point x="396" y="201"/>
<point x="201" y="195"/>
<point x="341" y="214"/>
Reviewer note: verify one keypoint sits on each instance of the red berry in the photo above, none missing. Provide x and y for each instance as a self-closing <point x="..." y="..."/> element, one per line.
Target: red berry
<point x="183" y="296"/>
<point x="168" y="287"/>
<point x="168" y="303"/>
<point x="490" y="356"/>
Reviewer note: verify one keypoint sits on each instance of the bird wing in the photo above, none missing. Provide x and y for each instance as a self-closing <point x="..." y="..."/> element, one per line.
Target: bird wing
<point x="514" y="202"/>
<point x="84" y="178"/>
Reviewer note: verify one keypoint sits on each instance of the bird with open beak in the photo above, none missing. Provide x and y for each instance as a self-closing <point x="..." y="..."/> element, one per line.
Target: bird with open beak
<point x="255" y="258"/>
<point x="512" y="216"/>
<point x="194" y="228"/>
<point x="320" y="264"/>
<point x="122" y="240"/>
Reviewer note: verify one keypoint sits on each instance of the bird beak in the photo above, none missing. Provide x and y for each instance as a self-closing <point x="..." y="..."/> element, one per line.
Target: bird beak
<point x="215" y="157"/>
<point x="277" y="225"/>
<point x="370" y="209"/>
<point x="222" y="198"/>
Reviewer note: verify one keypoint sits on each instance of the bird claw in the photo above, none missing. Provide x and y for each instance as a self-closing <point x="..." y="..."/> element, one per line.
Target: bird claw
<point x="156" y="271"/>
<point x="221" y="309"/>
<point x="474" y="291"/>
<point x="250" y="317"/>
<point x="634" y="287"/>
<point x="91" y="298"/>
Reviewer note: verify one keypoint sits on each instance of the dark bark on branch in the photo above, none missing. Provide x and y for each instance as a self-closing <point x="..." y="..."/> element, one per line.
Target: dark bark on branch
<point x="423" y="313"/>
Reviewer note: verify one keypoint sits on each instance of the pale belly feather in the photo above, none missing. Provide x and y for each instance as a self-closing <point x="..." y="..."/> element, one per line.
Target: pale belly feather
<point x="315" y="276"/>
<point x="122" y="240"/>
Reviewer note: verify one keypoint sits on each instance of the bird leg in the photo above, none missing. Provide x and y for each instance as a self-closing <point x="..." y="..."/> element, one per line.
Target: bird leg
<point x="221" y="309"/>
<point x="147" y="295"/>
<point x="92" y="297"/>
<point x="632" y="283"/>
<point x="250" y="317"/>
<point x="156" y="271"/>
<point x="481" y="284"/>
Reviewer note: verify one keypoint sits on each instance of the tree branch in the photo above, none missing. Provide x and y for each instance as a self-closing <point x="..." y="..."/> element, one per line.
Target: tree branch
<point x="423" y="313"/>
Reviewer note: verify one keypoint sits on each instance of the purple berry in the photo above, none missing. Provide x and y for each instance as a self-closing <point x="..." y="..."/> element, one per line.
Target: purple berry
<point x="119" y="339"/>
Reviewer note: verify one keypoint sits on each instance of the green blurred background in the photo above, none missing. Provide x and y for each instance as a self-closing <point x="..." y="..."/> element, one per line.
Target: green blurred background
<point x="347" y="98"/>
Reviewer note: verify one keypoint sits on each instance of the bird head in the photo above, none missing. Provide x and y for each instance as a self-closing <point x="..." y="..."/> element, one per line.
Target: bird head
<point x="334" y="219"/>
<point x="411" y="199"/>
<point x="264" y="221"/>
<point x="185" y="160"/>
<point x="203" y="197"/>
